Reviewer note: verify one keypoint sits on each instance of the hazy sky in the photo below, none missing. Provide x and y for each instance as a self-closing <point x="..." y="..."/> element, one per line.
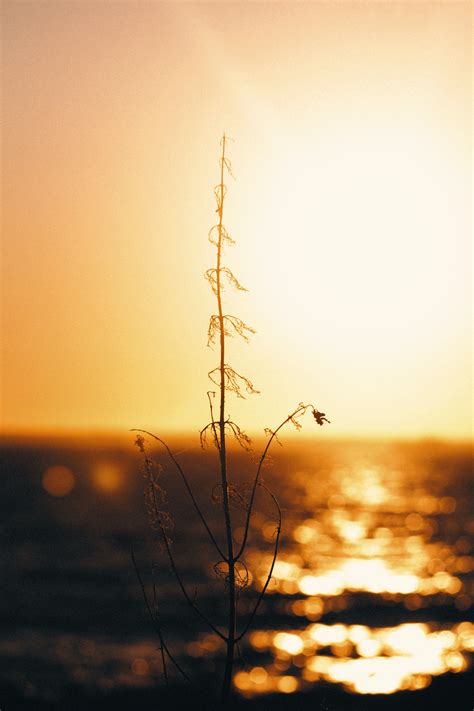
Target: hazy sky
<point x="351" y="211"/>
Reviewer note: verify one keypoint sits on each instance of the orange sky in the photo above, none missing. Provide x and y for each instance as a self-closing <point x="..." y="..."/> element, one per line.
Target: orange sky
<point x="351" y="210"/>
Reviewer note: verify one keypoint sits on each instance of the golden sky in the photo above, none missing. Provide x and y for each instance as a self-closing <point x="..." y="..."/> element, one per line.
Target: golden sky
<point x="351" y="209"/>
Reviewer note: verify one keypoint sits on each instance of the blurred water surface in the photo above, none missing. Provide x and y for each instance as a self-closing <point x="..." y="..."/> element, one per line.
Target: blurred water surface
<point x="372" y="590"/>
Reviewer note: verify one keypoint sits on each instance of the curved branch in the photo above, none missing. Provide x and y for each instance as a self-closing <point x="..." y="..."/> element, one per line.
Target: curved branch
<point x="232" y="381"/>
<point x="213" y="419"/>
<point x="203" y="434"/>
<point x="242" y="438"/>
<point x="188" y="599"/>
<point x="300" y="410"/>
<point x="183" y="476"/>
<point x="219" y="193"/>
<point x="228" y="165"/>
<point x="231" y="325"/>
<point x="269" y="576"/>
<point x="222" y="233"/>
<point x="213" y="276"/>
<point x="166" y="541"/>
<point x="156" y="623"/>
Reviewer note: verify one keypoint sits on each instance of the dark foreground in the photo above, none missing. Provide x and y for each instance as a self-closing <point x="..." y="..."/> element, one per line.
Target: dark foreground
<point x="453" y="692"/>
<point x="377" y="541"/>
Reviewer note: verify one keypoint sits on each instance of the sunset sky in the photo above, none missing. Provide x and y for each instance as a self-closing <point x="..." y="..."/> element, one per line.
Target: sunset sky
<point x="351" y="211"/>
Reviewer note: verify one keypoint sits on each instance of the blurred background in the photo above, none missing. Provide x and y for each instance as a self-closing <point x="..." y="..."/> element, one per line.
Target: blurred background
<point x="351" y="210"/>
<point x="370" y="598"/>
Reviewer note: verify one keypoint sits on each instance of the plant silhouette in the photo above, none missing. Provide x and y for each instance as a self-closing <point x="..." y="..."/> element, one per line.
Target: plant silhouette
<point x="230" y="564"/>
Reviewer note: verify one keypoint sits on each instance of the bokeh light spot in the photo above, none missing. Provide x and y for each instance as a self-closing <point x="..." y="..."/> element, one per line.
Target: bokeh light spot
<point x="107" y="476"/>
<point x="140" y="667"/>
<point x="58" y="481"/>
<point x="287" y="684"/>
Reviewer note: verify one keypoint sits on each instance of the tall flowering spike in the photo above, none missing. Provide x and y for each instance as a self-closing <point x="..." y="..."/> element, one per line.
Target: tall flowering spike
<point x="221" y="325"/>
<point x="230" y="497"/>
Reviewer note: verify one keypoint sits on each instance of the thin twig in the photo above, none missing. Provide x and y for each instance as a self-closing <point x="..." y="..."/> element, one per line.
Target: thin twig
<point x="184" y="478"/>
<point x="162" y="651"/>
<point x="164" y="535"/>
<point x="269" y="576"/>
<point x="213" y="421"/>
<point x="155" y="620"/>
<point x="299" y="410"/>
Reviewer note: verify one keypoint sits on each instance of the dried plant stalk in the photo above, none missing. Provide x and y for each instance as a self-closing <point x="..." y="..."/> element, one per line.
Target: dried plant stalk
<point x="230" y="566"/>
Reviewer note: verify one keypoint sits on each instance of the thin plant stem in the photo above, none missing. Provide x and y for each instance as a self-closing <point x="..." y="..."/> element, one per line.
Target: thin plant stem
<point x="269" y="575"/>
<point x="223" y="453"/>
<point x="186" y="483"/>
<point x="155" y="620"/>
<point x="299" y="410"/>
<point x="175" y="570"/>
<point x="213" y="422"/>
<point x="225" y="378"/>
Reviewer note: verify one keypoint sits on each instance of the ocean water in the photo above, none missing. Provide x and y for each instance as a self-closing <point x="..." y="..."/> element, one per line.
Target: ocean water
<point x="371" y="592"/>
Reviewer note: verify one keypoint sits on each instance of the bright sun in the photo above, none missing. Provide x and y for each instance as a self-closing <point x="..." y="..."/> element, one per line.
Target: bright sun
<point x="364" y="251"/>
<point x="350" y="209"/>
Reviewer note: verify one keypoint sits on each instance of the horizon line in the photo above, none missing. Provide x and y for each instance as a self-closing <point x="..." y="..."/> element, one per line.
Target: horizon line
<point x="81" y="433"/>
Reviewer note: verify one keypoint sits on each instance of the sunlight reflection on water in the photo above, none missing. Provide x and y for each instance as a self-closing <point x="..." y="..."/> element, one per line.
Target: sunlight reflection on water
<point x="387" y="533"/>
<point x="371" y="590"/>
<point x="365" y="660"/>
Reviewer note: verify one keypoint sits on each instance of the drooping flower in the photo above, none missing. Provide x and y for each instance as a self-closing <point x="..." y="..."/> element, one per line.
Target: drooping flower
<point x="320" y="417"/>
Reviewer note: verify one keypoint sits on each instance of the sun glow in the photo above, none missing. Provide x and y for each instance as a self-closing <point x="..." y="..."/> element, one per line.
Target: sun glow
<point x="351" y="211"/>
<point x="374" y="269"/>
